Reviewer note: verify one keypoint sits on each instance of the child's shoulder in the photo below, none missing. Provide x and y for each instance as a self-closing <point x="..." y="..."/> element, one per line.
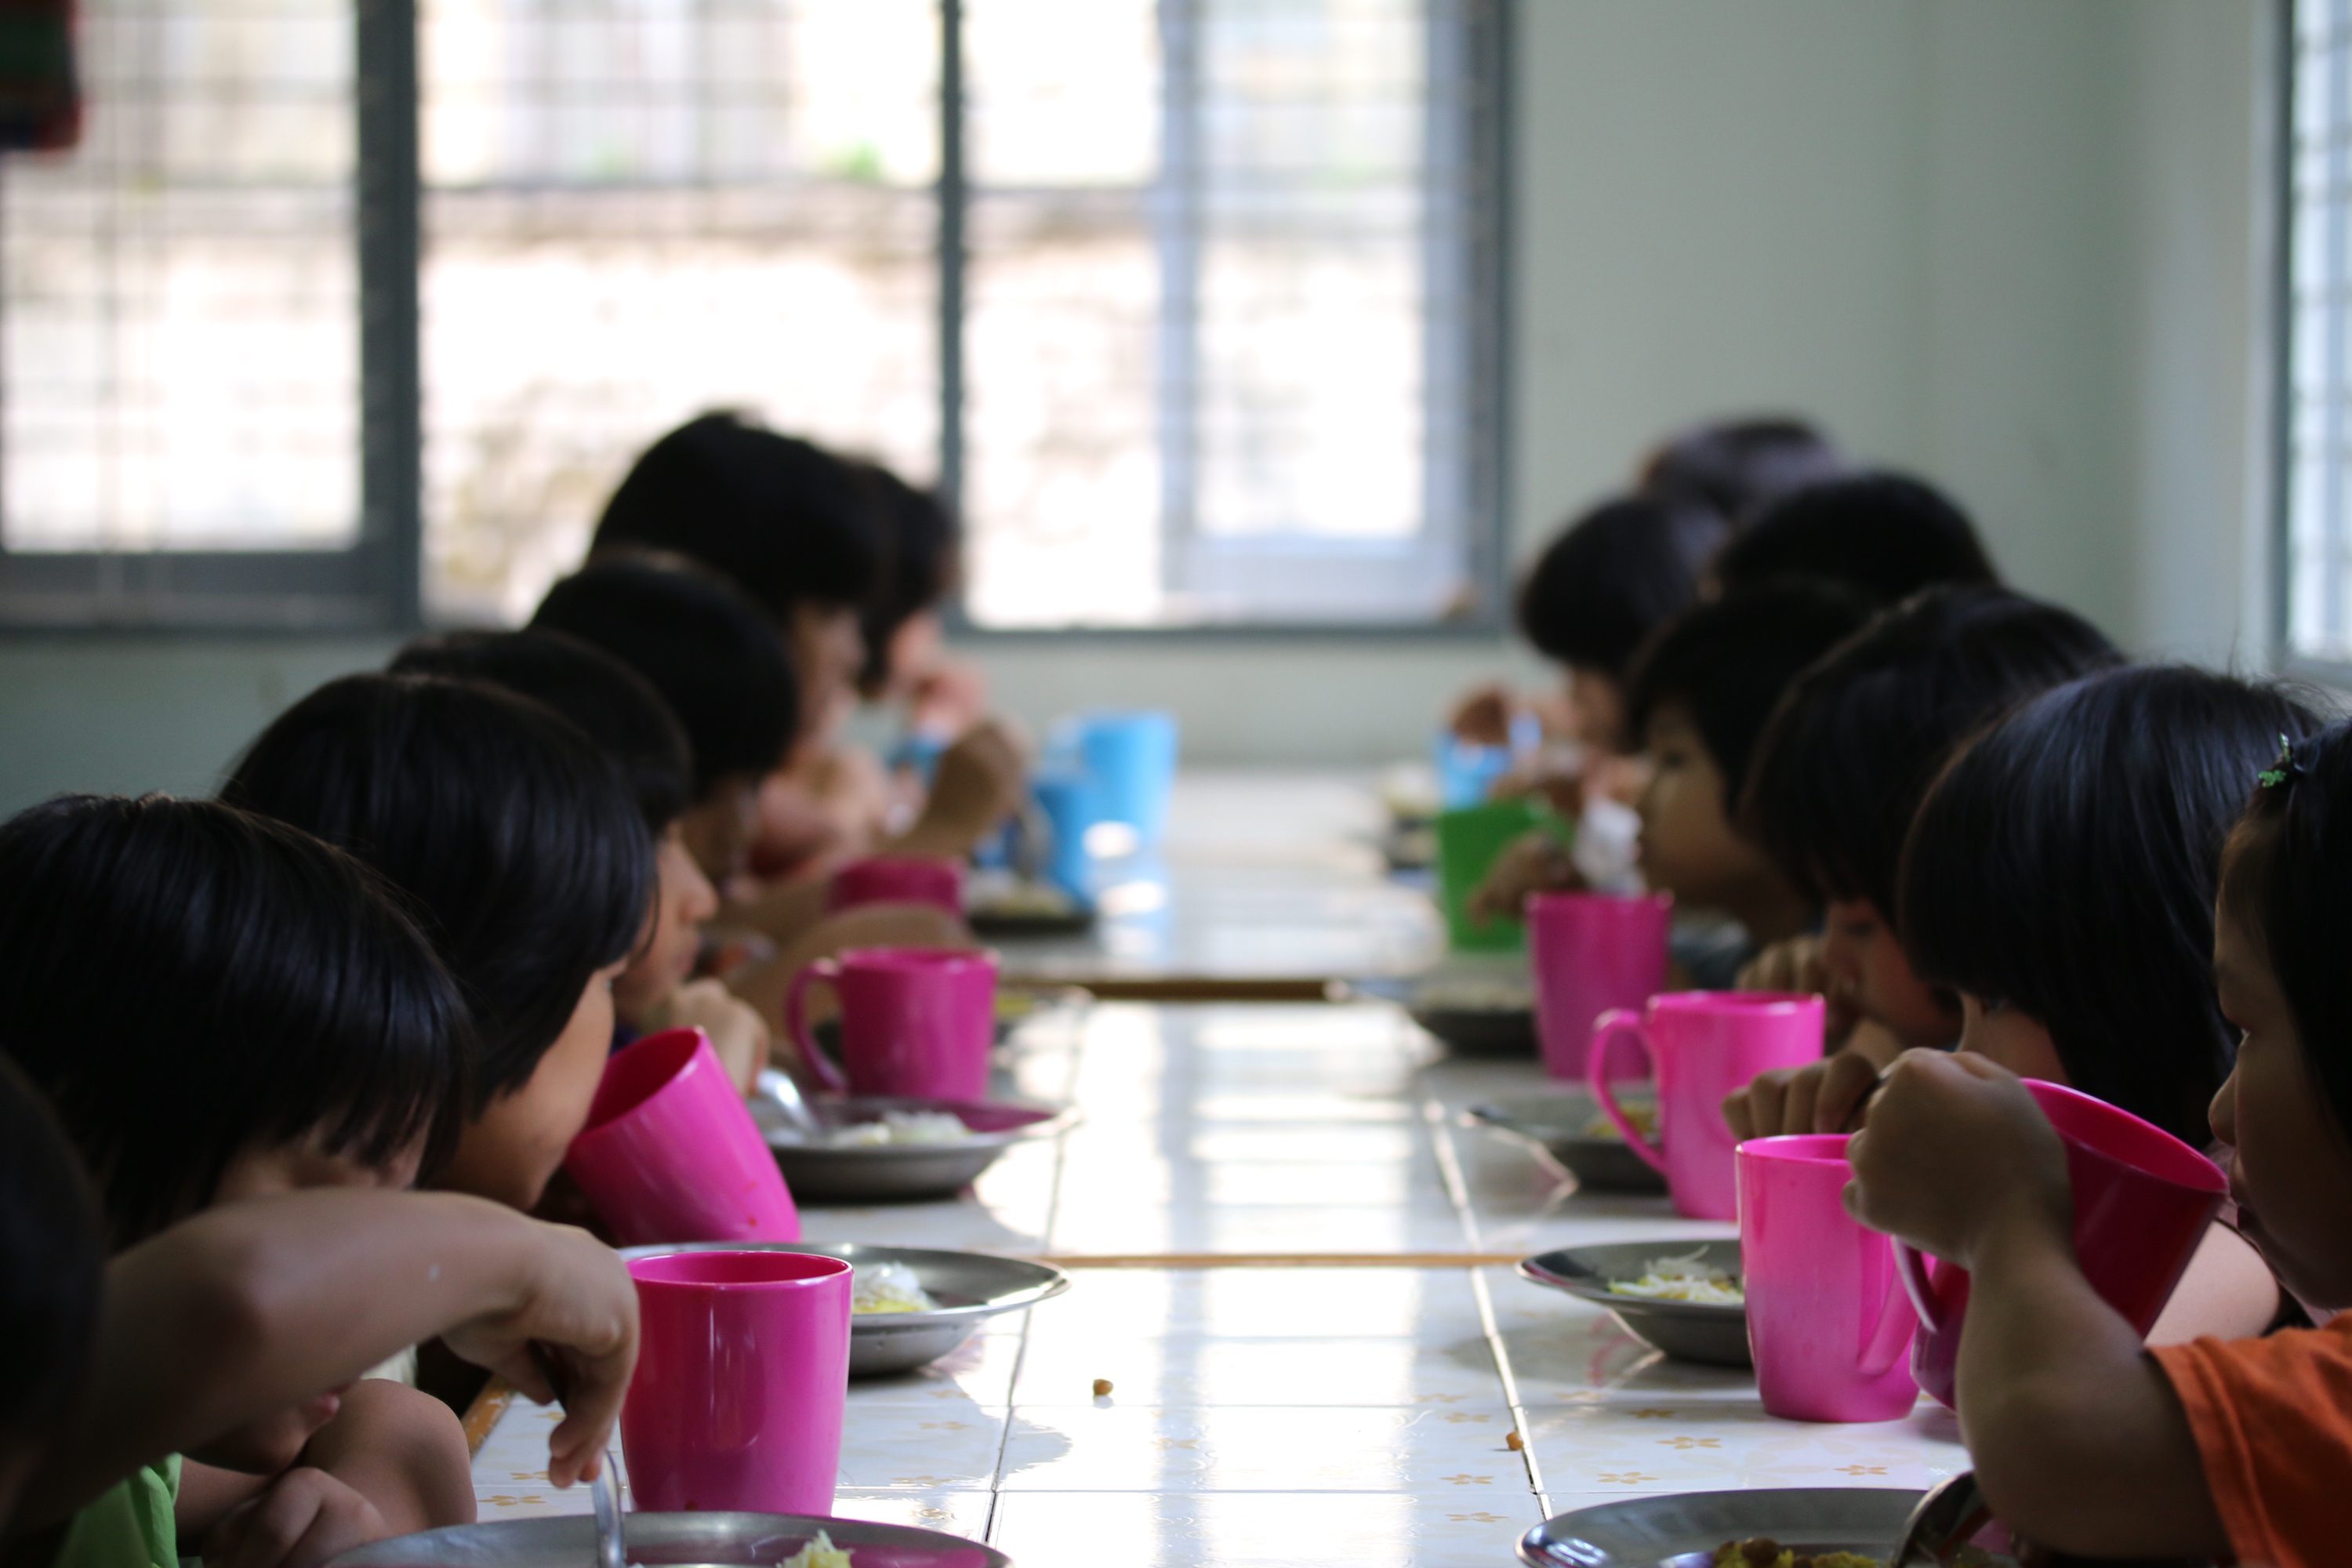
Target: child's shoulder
<point x="2272" y="1422"/>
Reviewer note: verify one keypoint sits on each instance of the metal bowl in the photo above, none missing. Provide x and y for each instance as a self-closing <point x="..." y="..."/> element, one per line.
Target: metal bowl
<point x="822" y="1172"/>
<point x="969" y="1286"/>
<point x="1683" y="1532"/>
<point x="753" y="1538"/>
<point x="1686" y="1330"/>
<point x="1569" y="1125"/>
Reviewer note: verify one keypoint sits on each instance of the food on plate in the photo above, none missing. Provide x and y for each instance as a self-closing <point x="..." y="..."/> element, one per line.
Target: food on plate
<point x="1683" y="1279"/>
<point x="1645" y="1119"/>
<point x="1763" y="1552"/>
<point x="818" y="1554"/>
<point x="1018" y="900"/>
<point x="896" y="1128"/>
<point x="878" y="1287"/>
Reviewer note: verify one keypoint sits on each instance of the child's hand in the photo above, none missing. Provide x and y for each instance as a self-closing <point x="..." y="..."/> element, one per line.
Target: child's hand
<point x="1483" y="717"/>
<point x="1953" y="1150"/>
<point x="1820" y="1097"/>
<point x="580" y="1305"/>
<point x="1534" y="863"/>
<point x="304" y="1518"/>
<point x="978" y="784"/>
<point x="1797" y="964"/>
<point x="736" y="1032"/>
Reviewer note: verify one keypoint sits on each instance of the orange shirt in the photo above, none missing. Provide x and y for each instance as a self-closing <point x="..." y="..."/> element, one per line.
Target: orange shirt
<point x="2274" y="1423"/>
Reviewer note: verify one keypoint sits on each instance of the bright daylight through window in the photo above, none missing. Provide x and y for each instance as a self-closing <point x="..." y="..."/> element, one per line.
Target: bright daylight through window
<point x="1218" y="277"/>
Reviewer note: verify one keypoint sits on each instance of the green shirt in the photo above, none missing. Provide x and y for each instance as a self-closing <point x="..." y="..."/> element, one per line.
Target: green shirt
<point x="129" y="1525"/>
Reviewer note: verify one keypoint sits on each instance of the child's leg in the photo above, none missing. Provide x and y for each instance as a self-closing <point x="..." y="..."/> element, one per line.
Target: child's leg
<point x="402" y="1451"/>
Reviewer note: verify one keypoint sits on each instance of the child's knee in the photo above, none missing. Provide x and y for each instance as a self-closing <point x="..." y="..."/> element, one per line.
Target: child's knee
<point x="392" y="1430"/>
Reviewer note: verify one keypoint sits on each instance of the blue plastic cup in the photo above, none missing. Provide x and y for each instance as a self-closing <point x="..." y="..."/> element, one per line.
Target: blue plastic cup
<point x="1466" y="771"/>
<point x="1067" y="803"/>
<point x="1131" y="759"/>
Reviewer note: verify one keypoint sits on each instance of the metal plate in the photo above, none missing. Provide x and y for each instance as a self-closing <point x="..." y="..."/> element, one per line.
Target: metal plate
<point x="1482" y="1032"/>
<point x="1563" y="1124"/>
<point x="821" y="1173"/>
<point x="970" y="1287"/>
<point x="1683" y="1532"/>
<point x="1010" y="924"/>
<point x="1686" y="1330"/>
<point x="756" y="1538"/>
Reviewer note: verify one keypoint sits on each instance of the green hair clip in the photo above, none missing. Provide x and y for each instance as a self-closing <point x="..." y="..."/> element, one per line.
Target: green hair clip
<point x="2285" y="768"/>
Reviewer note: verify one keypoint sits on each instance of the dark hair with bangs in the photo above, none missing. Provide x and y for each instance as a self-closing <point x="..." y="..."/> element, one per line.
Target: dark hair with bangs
<point x="1727" y="663"/>
<point x="52" y="1265"/>
<point x="2286" y="881"/>
<point x="716" y="660"/>
<point x="925" y="553"/>
<point x="185" y="981"/>
<point x="1884" y="534"/>
<point x="611" y="704"/>
<point x="1613" y="577"/>
<point x="2066" y="863"/>
<point x="788" y="520"/>
<point x="1732" y="466"/>
<point x="1860" y="736"/>
<point x="512" y="835"/>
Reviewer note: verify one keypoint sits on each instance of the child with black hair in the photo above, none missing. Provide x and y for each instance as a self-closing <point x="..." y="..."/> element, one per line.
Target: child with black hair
<point x="290" y="1029"/>
<point x="1733" y="466"/>
<point x="2085" y="1441"/>
<point x="52" y="1261"/>
<point x="2061" y="877"/>
<point x="626" y="717"/>
<point x="907" y="660"/>
<point x="518" y="844"/>
<point x="1883" y="535"/>
<point x="1836" y="781"/>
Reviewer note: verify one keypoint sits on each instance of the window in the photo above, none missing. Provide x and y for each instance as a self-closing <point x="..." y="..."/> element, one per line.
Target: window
<point x="1193" y="303"/>
<point x="2316" y="414"/>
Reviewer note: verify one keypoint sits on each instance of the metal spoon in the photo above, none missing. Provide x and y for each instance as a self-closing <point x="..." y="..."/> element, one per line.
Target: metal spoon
<point x="1946" y="1519"/>
<point x="780" y="1094"/>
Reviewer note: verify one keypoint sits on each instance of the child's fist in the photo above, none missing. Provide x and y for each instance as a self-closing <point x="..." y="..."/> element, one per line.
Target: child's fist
<point x="303" y="1518"/>
<point x="1955" y="1148"/>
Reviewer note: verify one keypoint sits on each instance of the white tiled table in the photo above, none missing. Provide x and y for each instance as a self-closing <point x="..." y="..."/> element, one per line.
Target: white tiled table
<point x="1351" y="1414"/>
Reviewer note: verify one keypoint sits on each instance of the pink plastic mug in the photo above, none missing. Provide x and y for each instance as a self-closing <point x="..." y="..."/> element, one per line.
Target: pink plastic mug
<point x="2143" y="1201"/>
<point x="1827" y="1319"/>
<point x="1702" y="1044"/>
<point x="743" y="1371"/>
<point x="1592" y="954"/>
<point x="897" y="880"/>
<point x="670" y="1152"/>
<point x="914" y="1021"/>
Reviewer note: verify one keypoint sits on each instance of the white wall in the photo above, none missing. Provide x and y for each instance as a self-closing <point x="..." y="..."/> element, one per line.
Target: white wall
<point x="2009" y="243"/>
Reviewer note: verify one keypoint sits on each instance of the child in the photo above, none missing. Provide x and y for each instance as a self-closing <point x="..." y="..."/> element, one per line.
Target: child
<point x="1700" y="696"/>
<point x="1836" y="781"/>
<point x="290" y="1028"/>
<point x="519" y="846"/>
<point x="615" y="707"/>
<point x="907" y="661"/>
<point x="2061" y="875"/>
<point x="2083" y="1441"/>
<point x="1883" y="535"/>
<point x="51" y="1258"/>
<point x="1734" y="467"/>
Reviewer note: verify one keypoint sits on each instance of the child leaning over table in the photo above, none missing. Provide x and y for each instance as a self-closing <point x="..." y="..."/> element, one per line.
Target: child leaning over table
<point x="2083" y="1441"/>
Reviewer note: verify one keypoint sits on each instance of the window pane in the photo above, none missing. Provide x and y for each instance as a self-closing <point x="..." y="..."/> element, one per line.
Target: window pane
<point x="179" y="347"/>
<point x="636" y="210"/>
<point x="1206" y="332"/>
<point x="2320" y="356"/>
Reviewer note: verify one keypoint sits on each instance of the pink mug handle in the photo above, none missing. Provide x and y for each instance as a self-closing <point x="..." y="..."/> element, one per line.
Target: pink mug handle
<point x="1615" y="1021"/>
<point x="796" y="1023"/>
<point x="1912" y="1270"/>
<point x="1890" y="1337"/>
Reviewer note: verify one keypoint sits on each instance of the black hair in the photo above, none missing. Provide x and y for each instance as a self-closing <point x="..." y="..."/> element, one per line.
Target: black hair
<point x="514" y="837"/>
<point x="1727" y="663"/>
<point x="1859" y="737"/>
<point x="1733" y="466"/>
<point x="788" y="520"/>
<point x="2286" y="880"/>
<point x="2066" y="863"/>
<point x="718" y="663"/>
<point x="613" y="705"/>
<point x="1888" y="535"/>
<point x="1612" y="578"/>
<point x="185" y="981"/>
<point x="52" y="1264"/>
<point x="925" y="545"/>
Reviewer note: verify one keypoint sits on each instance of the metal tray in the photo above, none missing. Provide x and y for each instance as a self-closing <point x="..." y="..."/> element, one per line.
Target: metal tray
<point x="1683" y="1532"/>
<point x="1686" y="1330"/>
<point x="755" y="1538"/>
<point x="1562" y="1123"/>
<point x="822" y="1174"/>
<point x="969" y="1286"/>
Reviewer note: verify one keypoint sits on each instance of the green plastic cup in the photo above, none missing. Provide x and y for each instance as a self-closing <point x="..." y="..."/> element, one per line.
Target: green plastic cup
<point x="1469" y="842"/>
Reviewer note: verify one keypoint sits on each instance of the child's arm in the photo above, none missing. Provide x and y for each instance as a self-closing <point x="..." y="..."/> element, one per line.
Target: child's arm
<point x="2075" y="1435"/>
<point x="246" y="1309"/>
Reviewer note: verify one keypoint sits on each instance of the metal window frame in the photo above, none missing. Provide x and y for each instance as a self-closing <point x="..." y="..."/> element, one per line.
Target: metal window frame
<point x="1485" y="28"/>
<point x="371" y="584"/>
